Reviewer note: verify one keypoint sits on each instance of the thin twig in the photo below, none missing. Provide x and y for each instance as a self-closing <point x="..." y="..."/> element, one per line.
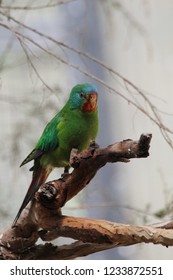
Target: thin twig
<point x="165" y="131"/>
<point x="24" y="47"/>
<point x="45" y="6"/>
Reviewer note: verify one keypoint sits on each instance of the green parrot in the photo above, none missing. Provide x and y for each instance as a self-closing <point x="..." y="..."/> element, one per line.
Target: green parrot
<point x="73" y="127"/>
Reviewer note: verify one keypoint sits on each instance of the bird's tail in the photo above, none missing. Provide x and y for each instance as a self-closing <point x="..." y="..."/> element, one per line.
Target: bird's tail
<point x="39" y="177"/>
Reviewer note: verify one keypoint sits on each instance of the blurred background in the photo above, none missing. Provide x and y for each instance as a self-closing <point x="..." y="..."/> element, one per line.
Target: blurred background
<point x="123" y="47"/>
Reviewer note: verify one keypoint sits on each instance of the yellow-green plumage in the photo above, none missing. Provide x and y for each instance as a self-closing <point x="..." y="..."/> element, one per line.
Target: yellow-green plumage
<point x="73" y="127"/>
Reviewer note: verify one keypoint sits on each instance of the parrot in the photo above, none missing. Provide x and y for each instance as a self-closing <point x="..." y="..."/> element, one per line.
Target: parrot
<point x="74" y="126"/>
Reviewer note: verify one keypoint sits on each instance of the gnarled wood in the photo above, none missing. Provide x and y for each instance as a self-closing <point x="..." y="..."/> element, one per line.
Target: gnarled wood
<point x="45" y="211"/>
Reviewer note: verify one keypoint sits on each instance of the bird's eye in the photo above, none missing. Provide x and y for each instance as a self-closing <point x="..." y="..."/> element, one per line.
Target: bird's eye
<point x="81" y="95"/>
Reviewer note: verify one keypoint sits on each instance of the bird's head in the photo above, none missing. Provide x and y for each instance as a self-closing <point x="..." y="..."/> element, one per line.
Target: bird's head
<point x="83" y="97"/>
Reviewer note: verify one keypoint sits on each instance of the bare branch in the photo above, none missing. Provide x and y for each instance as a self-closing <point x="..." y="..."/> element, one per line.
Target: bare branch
<point x="153" y="114"/>
<point x="24" y="47"/>
<point x="45" y="6"/>
<point x="92" y="235"/>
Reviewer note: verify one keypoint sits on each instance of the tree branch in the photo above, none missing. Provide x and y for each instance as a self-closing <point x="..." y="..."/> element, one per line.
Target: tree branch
<point x="94" y="236"/>
<point x="43" y="219"/>
<point x="131" y="90"/>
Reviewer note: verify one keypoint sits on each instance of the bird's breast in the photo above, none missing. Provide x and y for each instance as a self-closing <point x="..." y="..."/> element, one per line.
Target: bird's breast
<point x="76" y="131"/>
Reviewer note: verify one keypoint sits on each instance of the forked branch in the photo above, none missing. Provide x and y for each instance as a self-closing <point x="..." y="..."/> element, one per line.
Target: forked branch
<point x="43" y="219"/>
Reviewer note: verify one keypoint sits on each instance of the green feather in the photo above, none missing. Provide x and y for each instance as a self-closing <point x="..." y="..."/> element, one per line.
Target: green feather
<point x="49" y="139"/>
<point x="70" y="128"/>
<point x="73" y="127"/>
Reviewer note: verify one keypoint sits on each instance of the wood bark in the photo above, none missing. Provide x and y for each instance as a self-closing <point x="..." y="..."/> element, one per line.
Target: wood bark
<point x="43" y="218"/>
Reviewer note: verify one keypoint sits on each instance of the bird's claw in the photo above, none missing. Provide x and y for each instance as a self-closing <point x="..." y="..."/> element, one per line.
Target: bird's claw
<point x="66" y="172"/>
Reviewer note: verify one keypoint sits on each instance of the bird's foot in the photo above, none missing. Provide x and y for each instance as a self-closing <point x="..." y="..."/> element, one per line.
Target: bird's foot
<point x="66" y="172"/>
<point x="93" y="145"/>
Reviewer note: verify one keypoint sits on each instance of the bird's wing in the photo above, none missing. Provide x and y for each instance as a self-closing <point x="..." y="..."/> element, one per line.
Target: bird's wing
<point x="48" y="140"/>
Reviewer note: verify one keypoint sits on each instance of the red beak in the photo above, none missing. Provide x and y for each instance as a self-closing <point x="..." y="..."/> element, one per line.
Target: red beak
<point x="91" y="103"/>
